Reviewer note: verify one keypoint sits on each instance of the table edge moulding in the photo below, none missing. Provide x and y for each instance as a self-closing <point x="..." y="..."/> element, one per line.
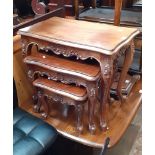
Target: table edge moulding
<point x="101" y="47"/>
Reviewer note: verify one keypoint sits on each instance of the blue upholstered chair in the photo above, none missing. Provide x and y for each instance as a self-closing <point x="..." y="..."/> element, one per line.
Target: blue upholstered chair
<point x="31" y="135"/>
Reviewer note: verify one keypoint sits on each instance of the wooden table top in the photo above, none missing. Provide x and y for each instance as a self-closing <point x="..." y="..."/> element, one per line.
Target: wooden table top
<point x="74" y="92"/>
<point x="87" y="71"/>
<point x="103" y="38"/>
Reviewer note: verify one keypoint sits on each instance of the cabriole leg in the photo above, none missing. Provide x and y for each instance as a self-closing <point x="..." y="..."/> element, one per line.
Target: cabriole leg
<point x="79" y="117"/>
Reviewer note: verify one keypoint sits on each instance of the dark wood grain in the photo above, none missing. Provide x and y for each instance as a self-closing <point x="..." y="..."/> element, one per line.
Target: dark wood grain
<point x="64" y="89"/>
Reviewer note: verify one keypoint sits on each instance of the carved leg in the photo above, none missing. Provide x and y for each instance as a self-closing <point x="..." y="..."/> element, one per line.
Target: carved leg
<point x="115" y="67"/>
<point x="76" y="7"/>
<point x="91" y="107"/>
<point x="127" y="62"/>
<point x="35" y="98"/>
<point x="79" y="112"/>
<point x="109" y="87"/>
<point x="104" y="104"/>
<point x="107" y="73"/>
<point x="44" y="102"/>
<point x="38" y="105"/>
<point x="94" y="4"/>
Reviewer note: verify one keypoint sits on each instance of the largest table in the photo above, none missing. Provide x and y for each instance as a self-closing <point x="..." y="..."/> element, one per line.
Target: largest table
<point x="103" y="42"/>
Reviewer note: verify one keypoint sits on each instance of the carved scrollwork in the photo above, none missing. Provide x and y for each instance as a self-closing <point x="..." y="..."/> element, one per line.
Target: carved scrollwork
<point x="64" y="50"/>
<point x="59" y="98"/>
<point x="30" y="74"/>
<point x="24" y="47"/>
<point x="56" y="77"/>
<point x="59" y="49"/>
<point x="123" y="50"/>
<point x="92" y="92"/>
<point x="107" y="67"/>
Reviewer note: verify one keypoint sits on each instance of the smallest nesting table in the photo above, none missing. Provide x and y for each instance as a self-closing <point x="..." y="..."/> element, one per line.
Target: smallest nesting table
<point x="59" y="92"/>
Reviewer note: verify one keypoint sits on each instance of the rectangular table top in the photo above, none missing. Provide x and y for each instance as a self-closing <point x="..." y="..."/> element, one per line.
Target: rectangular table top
<point x="103" y="38"/>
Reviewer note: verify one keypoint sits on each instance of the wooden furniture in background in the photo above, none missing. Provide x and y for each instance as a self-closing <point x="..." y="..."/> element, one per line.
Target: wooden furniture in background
<point x="45" y="6"/>
<point x="127" y="17"/>
<point x="125" y="3"/>
<point x="58" y="11"/>
<point x="105" y="44"/>
<point x="130" y="17"/>
<point x="16" y="19"/>
<point x="118" y="8"/>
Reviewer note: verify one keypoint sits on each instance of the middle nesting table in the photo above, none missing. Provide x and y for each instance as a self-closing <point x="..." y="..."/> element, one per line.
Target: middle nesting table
<point x="105" y="43"/>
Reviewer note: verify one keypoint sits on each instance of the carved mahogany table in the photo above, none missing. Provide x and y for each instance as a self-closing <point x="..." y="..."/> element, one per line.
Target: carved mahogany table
<point x="66" y="94"/>
<point x="103" y="42"/>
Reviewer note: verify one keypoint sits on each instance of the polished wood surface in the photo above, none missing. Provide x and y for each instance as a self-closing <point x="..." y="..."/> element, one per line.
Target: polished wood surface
<point x="102" y="38"/>
<point x="52" y="62"/>
<point x="118" y="8"/>
<point x="42" y="7"/>
<point x="119" y="118"/>
<point x="59" y="11"/>
<point x="65" y="89"/>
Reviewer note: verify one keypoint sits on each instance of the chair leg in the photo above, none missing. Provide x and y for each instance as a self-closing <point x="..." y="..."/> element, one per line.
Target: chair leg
<point x="45" y="106"/>
<point x="79" y="112"/>
<point x="37" y="106"/>
<point x="76" y="7"/>
<point x="94" y="4"/>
